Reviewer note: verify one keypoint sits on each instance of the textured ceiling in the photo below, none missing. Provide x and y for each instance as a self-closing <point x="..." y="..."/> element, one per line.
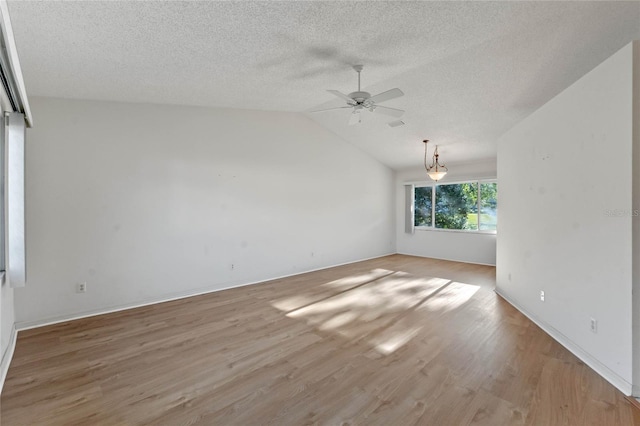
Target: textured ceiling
<point x="470" y="70"/>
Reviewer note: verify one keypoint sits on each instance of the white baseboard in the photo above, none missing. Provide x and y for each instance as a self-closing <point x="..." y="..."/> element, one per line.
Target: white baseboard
<point x="636" y="392"/>
<point x="7" y="356"/>
<point x="26" y="325"/>
<point x="612" y="377"/>
<point x="449" y="260"/>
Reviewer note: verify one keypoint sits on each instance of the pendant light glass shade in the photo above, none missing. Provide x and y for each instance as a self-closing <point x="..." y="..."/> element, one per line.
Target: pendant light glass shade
<point x="436" y="175"/>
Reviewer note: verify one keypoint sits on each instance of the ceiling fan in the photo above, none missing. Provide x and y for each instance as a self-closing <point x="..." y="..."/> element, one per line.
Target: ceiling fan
<point x="361" y="101"/>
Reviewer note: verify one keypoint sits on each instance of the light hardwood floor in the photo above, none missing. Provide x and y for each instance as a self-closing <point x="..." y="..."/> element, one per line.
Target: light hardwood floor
<point x="399" y="340"/>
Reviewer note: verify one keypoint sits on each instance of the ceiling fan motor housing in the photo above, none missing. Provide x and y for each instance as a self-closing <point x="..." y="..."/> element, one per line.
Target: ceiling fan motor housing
<point x="359" y="97"/>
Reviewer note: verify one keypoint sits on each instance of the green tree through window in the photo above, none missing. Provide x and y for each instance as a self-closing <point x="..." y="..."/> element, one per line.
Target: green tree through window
<point x="488" y="206"/>
<point x="456" y="206"/>
<point x="422" y="210"/>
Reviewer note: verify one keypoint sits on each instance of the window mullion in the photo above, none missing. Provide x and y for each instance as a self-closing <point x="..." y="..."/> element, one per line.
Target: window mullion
<point x="433" y="206"/>
<point x="478" y="205"/>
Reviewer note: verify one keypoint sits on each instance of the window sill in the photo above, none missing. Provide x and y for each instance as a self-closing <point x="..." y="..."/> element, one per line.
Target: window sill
<point x="459" y="231"/>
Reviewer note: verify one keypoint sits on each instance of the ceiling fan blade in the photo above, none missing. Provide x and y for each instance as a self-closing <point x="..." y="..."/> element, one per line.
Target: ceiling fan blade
<point x="355" y="118"/>
<point x="341" y="96"/>
<point x="385" y="96"/>
<point x="394" y="112"/>
<point x="329" y="109"/>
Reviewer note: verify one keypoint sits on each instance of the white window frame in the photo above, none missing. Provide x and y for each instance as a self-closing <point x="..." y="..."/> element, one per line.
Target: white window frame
<point x="433" y="186"/>
<point x="16" y="118"/>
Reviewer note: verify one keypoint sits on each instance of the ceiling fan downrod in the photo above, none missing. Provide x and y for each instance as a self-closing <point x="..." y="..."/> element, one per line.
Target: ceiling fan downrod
<point x="358" y="69"/>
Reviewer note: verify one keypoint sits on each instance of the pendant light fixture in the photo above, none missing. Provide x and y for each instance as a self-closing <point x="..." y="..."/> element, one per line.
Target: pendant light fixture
<point x="436" y="171"/>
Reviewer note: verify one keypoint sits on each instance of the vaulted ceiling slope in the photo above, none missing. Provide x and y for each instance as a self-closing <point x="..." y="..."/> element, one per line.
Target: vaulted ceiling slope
<point x="470" y="70"/>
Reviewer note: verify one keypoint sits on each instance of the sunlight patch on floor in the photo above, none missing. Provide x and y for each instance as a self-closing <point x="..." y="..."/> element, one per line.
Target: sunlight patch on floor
<point x="338" y="321"/>
<point x="389" y="294"/>
<point x="379" y="306"/>
<point x="453" y="296"/>
<point x="291" y="303"/>
<point x="342" y="284"/>
<point x="374" y="274"/>
<point x="387" y="346"/>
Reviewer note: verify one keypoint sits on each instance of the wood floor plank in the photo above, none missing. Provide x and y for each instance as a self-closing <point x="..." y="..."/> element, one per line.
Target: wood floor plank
<point x="398" y="340"/>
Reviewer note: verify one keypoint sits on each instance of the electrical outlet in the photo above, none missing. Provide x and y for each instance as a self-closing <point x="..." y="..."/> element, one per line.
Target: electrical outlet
<point x="81" y="288"/>
<point x="233" y="266"/>
<point x="594" y="325"/>
<point x="542" y="295"/>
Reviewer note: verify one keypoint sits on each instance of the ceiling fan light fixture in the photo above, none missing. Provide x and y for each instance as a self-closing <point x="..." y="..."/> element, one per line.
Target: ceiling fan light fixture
<point x="435" y="171"/>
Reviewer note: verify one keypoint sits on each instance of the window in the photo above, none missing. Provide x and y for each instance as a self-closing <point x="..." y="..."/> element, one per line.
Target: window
<point x="468" y="206"/>
<point x="423" y="206"/>
<point x="13" y="138"/>
<point x="488" y="206"/>
<point x="457" y="206"/>
<point x="2" y="204"/>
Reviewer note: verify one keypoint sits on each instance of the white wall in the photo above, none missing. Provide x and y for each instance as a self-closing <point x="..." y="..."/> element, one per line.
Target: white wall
<point x="460" y="246"/>
<point x="562" y="171"/>
<point x="145" y="202"/>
